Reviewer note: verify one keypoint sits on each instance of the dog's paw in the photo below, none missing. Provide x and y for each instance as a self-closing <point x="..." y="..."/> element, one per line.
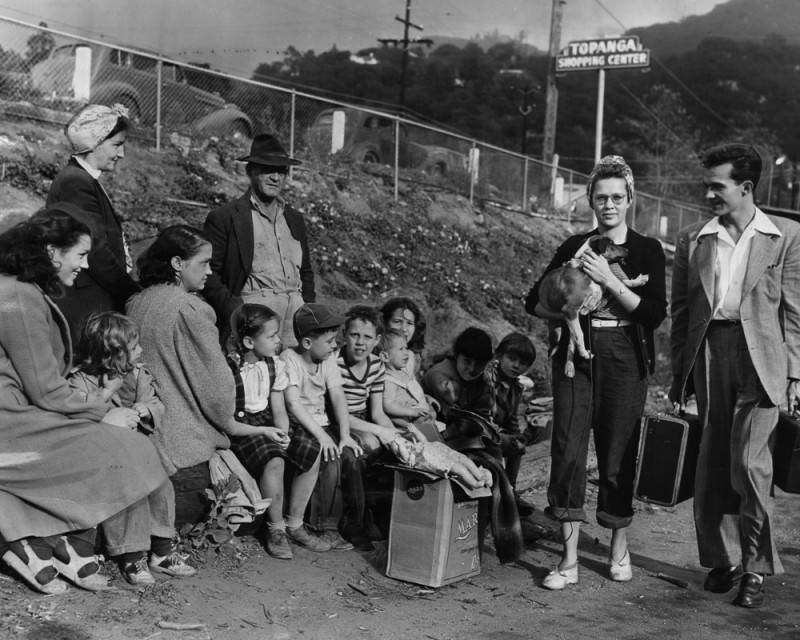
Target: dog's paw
<point x="638" y="281"/>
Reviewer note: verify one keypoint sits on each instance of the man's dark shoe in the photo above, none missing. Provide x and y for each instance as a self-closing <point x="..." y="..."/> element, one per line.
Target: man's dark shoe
<point x="524" y="508"/>
<point x="358" y="538"/>
<point x="751" y="591"/>
<point x="722" y="579"/>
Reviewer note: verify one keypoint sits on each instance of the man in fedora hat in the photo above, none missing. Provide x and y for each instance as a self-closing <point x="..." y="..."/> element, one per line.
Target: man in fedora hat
<point x="260" y="250"/>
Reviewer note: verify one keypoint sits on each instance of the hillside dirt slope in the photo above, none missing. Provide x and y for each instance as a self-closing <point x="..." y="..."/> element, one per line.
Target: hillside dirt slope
<point x="465" y="267"/>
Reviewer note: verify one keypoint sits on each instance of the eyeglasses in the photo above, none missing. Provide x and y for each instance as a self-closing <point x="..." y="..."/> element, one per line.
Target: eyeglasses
<point x="616" y="198"/>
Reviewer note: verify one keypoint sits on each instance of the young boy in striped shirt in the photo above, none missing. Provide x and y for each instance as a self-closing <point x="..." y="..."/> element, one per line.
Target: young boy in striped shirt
<point x="363" y="379"/>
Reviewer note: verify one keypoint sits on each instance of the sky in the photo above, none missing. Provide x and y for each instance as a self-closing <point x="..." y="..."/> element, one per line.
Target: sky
<point x="235" y="35"/>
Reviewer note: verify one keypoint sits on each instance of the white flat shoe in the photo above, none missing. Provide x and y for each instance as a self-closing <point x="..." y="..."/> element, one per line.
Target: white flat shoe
<point x="557" y="579"/>
<point x="621" y="571"/>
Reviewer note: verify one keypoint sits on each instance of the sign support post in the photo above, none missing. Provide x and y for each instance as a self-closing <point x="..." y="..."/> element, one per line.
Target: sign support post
<point x="598" y="129"/>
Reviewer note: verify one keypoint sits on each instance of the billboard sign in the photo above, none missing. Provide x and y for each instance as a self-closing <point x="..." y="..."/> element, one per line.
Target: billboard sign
<point x="623" y="52"/>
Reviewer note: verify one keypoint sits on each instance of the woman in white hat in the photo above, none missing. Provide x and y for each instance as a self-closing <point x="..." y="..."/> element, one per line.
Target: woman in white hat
<point x="97" y="135"/>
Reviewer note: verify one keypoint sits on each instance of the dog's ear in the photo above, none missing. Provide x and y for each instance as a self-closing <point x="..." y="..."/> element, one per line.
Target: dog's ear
<point x="599" y="244"/>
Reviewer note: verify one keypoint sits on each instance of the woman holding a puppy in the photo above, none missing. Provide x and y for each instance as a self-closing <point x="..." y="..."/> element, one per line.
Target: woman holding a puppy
<point x="607" y="392"/>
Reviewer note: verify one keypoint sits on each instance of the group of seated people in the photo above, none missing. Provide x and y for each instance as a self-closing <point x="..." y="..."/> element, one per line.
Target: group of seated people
<point x="98" y="435"/>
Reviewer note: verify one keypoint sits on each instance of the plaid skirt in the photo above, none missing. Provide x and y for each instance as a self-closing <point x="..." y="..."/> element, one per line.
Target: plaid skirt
<point x="254" y="452"/>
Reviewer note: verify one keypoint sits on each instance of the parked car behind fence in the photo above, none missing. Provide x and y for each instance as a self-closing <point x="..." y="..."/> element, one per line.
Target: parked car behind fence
<point x="118" y="76"/>
<point x="370" y="137"/>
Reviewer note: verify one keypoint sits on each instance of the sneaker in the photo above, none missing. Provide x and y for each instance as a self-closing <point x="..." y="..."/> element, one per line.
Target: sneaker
<point x="620" y="571"/>
<point x="37" y="569"/>
<point x="557" y="579"/>
<point x="302" y="537"/>
<point x="277" y="544"/>
<point x="82" y="571"/>
<point x="173" y="564"/>
<point x="336" y="541"/>
<point x="137" y="573"/>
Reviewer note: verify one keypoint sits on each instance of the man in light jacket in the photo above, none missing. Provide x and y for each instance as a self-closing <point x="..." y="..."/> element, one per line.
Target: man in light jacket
<point x="736" y="340"/>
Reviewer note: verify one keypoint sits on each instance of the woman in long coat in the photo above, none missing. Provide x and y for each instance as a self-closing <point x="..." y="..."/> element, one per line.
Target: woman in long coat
<point x="97" y="137"/>
<point x="62" y="470"/>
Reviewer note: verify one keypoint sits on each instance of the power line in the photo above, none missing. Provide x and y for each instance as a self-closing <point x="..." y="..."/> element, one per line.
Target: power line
<point x="670" y="73"/>
<point x="650" y="111"/>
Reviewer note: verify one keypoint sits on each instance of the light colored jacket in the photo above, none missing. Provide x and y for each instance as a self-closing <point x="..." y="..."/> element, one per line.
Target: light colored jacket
<point x="180" y="344"/>
<point x="769" y="311"/>
<point x="61" y="469"/>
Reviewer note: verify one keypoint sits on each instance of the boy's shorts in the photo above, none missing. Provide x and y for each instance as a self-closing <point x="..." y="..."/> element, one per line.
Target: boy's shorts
<point x="254" y="452"/>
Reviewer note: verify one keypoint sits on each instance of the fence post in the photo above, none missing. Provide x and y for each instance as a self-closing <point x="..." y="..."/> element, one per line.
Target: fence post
<point x="396" y="158"/>
<point x="473" y="176"/>
<point x="570" y="200"/>
<point x="525" y="187"/>
<point x="660" y="213"/>
<point x="291" y="128"/>
<point x="158" y="105"/>
<point x="680" y="217"/>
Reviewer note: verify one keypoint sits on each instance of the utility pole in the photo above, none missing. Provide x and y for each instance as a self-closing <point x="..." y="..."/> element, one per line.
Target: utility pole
<point x="551" y="108"/>
<point x="405" y="42"/>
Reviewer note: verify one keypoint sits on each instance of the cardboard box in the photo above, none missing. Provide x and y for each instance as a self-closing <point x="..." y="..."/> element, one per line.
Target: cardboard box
<point x="433" y="531"/>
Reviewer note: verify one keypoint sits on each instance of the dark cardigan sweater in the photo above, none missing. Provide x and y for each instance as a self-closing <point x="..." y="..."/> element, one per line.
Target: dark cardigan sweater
<point x="645" y="256"/>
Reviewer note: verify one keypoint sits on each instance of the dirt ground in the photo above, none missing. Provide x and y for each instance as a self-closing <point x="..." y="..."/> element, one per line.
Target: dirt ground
<point x="340" y="595"/>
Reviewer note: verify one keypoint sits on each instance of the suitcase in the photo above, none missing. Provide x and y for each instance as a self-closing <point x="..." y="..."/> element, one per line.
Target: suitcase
<point x="667" y="460"/>
<point x="786" y="454"/>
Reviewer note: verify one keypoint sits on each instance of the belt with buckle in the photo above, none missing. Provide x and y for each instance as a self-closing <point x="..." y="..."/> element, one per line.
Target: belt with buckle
<point x="725" y="323"/>
<point x="598" y="323"/>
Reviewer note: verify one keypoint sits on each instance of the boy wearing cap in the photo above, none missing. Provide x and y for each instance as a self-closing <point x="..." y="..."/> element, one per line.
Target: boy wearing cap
<point x="259" y="246"/>
<point x="317" y="377"/>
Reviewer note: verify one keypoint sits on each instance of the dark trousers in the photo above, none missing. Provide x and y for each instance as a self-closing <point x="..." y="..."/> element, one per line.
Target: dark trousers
<point x="733" y="503"/>
<point x="343" y="474"/>
<point x="607" y="395"/>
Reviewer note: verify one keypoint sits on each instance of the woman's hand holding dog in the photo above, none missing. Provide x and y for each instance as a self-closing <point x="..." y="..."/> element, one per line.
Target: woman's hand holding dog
<point x="597" y="268"/>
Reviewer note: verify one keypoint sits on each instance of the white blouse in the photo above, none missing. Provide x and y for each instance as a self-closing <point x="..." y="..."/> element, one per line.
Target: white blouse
<point x="255" y="380"/>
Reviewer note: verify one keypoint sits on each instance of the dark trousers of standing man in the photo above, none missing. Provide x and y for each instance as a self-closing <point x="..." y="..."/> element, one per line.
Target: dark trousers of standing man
<point x="732" y="503"/>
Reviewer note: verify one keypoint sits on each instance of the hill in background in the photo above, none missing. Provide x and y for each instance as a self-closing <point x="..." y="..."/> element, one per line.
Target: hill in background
<point x="773" y="21"/>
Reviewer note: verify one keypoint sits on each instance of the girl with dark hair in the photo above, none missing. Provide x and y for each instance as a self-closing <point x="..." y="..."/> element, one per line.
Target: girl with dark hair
<point x="97" y="136"/>
<point x="262" y="392"/>
<point x="64" y="471"/>
<point x="457" y="380"/>
<point x="180" y="344"/>
<point x="607" y="393"/>
<point x="404" y="314"/>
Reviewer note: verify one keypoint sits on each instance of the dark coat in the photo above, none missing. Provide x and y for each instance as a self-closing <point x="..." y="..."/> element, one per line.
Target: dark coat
<point x="106" y="284"/>
<point x="230" y="229"/>
<point x="645" y="256"/>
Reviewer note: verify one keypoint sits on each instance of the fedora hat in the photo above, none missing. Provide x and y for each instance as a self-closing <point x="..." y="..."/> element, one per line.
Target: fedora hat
<point x="266" y="150"/>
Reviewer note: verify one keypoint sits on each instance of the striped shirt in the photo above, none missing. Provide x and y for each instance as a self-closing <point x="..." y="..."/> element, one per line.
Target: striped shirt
<point x="357" y="390"/>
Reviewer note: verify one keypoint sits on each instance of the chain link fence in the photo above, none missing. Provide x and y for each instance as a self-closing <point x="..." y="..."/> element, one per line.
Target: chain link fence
<point x="46" y="74"/>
